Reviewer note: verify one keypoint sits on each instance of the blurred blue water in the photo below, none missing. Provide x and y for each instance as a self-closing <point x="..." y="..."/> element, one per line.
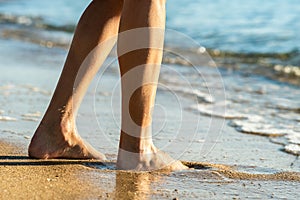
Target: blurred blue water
<point x="55" y="12"/>
<point x="236" y="25"/>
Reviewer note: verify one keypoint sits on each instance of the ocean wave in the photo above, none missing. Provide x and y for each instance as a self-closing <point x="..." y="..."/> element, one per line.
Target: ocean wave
<point x="258" y="128"/>
<point x="35" y="37"/>
<point x="201" y="96"/>
<point x="284" y="104"/>
<point x="293" y="149"/>
<point x="7" y="119"/>
<point x="257" y="125"/>
<point x="218" y="111"/>
<point x="34" y="22"/>
<point x="283" y="66"/>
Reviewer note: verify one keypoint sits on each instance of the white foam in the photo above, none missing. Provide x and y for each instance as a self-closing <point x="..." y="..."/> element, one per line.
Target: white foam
<point x="31" y="116"/>
<point x="218" y="111"/>
<point x="293" y="149"/>
<point x="289" y="116"/>
<point x="205" y="97"/>
<point x="7" y="119"/>
<point x="257" y="125"/>
<point x="35" y="114"/>
<point x="294" y="137"/>
<point x="32" y="119"/>
<point x="262" y="130"/>
<point x="285" y="104"/>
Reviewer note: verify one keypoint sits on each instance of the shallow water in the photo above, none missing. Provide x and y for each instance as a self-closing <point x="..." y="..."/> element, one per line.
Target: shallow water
<point x="195" y="184"/>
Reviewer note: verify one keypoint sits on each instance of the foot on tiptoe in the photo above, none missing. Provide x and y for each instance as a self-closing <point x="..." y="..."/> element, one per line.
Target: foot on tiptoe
<point x="61" y="142"/>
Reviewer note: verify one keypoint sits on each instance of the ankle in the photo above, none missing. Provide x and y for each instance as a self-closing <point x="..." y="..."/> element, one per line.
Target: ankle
<point x="55" y="126"/>
<point x="136" y="145"/>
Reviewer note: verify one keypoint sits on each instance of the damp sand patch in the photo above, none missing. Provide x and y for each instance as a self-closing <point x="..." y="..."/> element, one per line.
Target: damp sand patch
<point x="217" y="171"/>
<point x="201" y="181"/>
<point x="22" y="177"/>
<point x="240" y="172"/>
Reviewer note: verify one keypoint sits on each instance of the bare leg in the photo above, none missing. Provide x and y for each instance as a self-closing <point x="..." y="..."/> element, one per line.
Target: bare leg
<point x="56" y="135"/>
<point x="141" y="68"/>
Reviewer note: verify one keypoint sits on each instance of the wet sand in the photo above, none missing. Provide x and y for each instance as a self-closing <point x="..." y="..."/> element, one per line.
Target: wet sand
<point x="25" y="178"/>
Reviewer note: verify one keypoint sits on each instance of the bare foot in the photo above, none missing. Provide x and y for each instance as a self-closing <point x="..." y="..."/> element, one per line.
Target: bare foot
<point x="148" y="161"/>
<point x="59" y="142"/>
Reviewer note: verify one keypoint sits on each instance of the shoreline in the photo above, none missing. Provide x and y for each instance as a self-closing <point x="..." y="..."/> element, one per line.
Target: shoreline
<point x="22" y="177"/>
